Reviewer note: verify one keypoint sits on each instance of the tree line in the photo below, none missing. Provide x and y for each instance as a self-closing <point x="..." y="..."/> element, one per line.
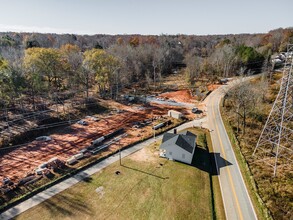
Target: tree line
<point x="69" y="69"/>
<point x="36" y="64"/>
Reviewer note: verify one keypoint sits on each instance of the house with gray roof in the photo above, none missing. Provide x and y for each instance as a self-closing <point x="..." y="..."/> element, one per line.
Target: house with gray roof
<point x="179" y="146"/>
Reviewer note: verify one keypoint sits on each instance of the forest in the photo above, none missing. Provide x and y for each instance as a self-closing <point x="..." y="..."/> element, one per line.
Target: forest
<point x="48" y="65"/>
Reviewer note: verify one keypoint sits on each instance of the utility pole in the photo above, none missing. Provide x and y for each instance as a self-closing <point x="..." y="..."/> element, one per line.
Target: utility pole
<point x="120" y="162"/>
<point x="276" y="139"/>
<point x="117" y="84"/>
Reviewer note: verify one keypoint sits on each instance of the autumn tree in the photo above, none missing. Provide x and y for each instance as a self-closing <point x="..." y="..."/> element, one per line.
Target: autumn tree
<point x="102" y="66"/>
<point x="11" y="81"/>
<point x="5" y="81"/>
<point x="34" y="81"/>
<point x="72" y="62"/>
<point x="47" y="63"/>
<point x="134" y="41"/>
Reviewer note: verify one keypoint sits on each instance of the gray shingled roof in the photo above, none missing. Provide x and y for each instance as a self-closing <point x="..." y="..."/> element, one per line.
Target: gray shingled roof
<point x="185" y="140"/>
<point x="168" y="136"/>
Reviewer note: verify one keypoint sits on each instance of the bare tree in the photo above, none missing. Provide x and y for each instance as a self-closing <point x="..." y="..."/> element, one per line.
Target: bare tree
<point x="244" y="98"/>
<point x="193" y="69"/>
<point x="224" y="60"/>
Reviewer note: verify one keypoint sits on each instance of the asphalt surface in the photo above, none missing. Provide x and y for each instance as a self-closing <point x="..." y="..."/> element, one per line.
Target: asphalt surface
<point x="236" y="200"/>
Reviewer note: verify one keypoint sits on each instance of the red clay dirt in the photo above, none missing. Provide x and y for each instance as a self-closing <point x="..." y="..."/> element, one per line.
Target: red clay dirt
<point x="212" y="87"/>
<point x="16" y="163"/>
<point x="179" y="96"/>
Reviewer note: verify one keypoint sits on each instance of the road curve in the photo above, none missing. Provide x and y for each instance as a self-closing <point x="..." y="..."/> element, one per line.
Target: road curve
<point x="237" y="202"/>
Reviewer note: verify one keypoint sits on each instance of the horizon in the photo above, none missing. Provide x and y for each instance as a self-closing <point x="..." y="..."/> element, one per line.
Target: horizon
<point x="129" y="34"/>
<point x="137" y="17"/>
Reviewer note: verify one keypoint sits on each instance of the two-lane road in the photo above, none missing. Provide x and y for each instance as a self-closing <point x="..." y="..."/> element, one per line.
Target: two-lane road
<point x="236" y="200"/>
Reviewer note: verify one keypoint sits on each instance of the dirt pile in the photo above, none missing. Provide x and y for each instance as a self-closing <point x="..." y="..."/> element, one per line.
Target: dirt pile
<point x="179" y="96"/>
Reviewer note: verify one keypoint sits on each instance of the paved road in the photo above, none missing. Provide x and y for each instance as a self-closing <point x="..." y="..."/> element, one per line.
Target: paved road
<point x="42" y="196"/>
<point x="236" y="200"/>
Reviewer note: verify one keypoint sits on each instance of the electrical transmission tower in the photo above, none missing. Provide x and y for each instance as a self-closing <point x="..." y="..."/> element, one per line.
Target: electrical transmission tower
<point x="276" y="139"/>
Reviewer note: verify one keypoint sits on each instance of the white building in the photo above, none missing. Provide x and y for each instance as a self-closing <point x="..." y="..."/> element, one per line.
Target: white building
<point x="178" y="147"/>
<point x="175" y="114"/>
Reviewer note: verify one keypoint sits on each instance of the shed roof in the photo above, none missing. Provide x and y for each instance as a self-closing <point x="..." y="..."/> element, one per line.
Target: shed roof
<point x="174" y="111"/>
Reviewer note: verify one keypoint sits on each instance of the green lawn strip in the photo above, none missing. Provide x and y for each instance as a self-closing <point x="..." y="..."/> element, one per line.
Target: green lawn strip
<point x="216" y="196"/>
<point x="143" y="190"/>
<point x="219" y="205"/>
<point x="259" y="206"/>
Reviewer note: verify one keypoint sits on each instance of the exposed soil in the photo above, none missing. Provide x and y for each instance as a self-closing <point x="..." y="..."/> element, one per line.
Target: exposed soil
<point x="16" y="163"/>
<point x="212" y="87"/>
<point x="144" y="155"/>
<point x="179" y="96"/>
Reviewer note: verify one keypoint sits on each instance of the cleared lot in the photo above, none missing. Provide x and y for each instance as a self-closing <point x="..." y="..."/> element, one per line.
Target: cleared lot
<point x="18" y="164"/>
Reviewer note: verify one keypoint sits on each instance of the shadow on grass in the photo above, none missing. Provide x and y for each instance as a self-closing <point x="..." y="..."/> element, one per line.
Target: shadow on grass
<point x="141" y="171"/>
<point x="66" y="205"/>
<point x="88" y="179"/>
<point x="209" y="162"/>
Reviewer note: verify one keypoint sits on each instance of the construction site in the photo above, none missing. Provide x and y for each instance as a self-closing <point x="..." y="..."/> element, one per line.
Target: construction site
<point x="42" y="152"/>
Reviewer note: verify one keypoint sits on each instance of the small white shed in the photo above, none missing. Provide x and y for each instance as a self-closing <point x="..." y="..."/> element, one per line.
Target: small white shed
<point x="175" y="114"/>
<point x="71" y="160"/>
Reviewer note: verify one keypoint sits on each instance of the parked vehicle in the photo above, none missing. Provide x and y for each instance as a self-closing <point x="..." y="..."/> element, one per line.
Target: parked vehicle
<point x="44" y="138"/>
<point x="93" y="118"/>
<point x="194" y="110"/>
<point x="82" y="122"/>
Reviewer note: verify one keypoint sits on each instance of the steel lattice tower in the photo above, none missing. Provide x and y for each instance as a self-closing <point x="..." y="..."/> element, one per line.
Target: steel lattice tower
<point x="276" y="139"/>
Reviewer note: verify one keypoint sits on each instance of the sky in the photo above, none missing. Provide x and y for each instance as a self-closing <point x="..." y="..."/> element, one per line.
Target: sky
<point x="145" y="16"/>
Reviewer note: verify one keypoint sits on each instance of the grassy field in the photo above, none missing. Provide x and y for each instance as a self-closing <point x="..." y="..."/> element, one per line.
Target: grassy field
<point x="148" y="187"/>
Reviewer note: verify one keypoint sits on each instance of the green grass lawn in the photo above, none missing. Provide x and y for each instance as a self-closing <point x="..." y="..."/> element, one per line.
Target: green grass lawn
<point x="148" y="187"/>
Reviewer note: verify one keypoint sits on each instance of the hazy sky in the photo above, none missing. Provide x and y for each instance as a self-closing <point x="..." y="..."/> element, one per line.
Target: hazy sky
<point x="145" y="16"/>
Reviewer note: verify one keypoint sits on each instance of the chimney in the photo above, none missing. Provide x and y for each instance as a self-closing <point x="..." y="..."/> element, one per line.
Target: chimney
<point x="175" y="131"/>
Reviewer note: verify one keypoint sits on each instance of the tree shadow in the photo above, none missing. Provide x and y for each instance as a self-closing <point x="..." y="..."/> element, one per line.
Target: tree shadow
<point x="68" y="205"/>
<point x="88" y="179"/>
<point x="208" y="162"/>
<point x="82" y="176"/>
<point x="141" y="171"/>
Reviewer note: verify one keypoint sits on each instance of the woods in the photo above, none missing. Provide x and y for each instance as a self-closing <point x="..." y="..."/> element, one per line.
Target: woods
<point x="35" y="64"/>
